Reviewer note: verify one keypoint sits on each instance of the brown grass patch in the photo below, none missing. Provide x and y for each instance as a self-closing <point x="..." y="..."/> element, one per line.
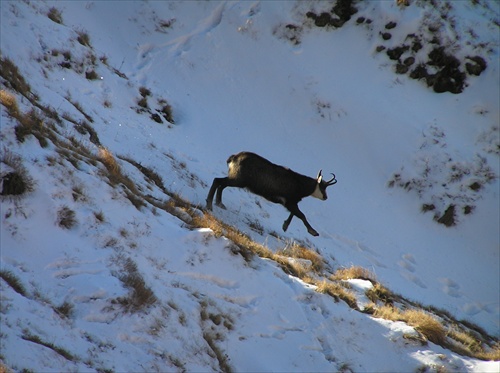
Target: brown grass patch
<point x="465" y="339"/>
<point x="354" y="272"/>
<point x="469" y="344"/>
<point x="492" y="355"/>
<point x="13" y="282"/>
<point x="380" y="293"/>
<point x="338" y="291"/>
<point x="293" y="268"/>
<point x="140" y="296"/>
<point x="27" y="336"/>
<point x="8" y="100"/>
<point x="10" y="72"/>
<point x="17" y="183"/>
<point x="207" y="220"/>
<point x="83" y="38"/>
<point x="66" y="218"/>
<point x="109" y="161"/>
<point x="55" y="15"/>
<point x="388" y="313"/>
<point x="427" y="325"/>
<point x="298" y="251"/>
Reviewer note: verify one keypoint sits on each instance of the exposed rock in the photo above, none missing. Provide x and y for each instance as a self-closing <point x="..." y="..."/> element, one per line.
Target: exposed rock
<point x="390" y="25"/>
<point x="409" y="61"/>
<point x="395" y="53"/>
<point x="401" y="69"/>
<point x="448" y="217"/>
<point x="438" y="57"/>
<point x="386" y="36"/>
<point x="344" y="9"/>
<point x="419" y="72"/>
<point x="477" y="67"/>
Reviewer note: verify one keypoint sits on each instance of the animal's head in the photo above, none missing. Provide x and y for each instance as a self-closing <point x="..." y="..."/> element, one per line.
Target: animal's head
<point x="321" y="185"/>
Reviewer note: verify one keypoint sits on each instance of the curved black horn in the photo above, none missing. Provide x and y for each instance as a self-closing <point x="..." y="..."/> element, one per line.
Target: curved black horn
<point x="332" y="181"/>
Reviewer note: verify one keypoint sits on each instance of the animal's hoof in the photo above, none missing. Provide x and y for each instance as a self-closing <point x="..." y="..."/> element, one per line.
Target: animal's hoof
<point x="285" y="227"/>
<point x="209" y="206"/>
<point x="313" y="232"/>
<point x="221" y="205"/>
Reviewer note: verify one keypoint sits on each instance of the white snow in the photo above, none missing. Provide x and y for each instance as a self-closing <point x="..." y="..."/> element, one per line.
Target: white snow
<point x="235" y="83"/>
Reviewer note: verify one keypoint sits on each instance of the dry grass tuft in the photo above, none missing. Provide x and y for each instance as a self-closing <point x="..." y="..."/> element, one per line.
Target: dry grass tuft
<point x="18" y="182"/>
<point x="83" y="38"/>
<point x="66" y="218"/>
<point x="492" y="354"/>
<point x="427" y="325"/>
<point x="207" y="220"/>
<point x="31" y="123"/>
<point x="465" y="339"/>
<point x="338" y="291"/>
<point x="27" y="336"/>
<point x="150" y="175"/>
<point x="4" y="368"/>
<point x="380" y="293"/>
<point x="109" y="161"/>
<point x="292" y="267"/>
<point x="13" y="282"/>
<point x="65" y="310"/>
<point x="296" y="250"/>
<point x="55" y="15"/>
<point x="354" y="272"/>
<point x="388" y="313"/>
<point x="214" y="325"/>
<point x="8" y="100"/>
<point x="14" y="79"/>
<point x="242" y="241"/>
<point x="140" y="296"/>
<point x="469" y="343"/>
<point x="167" y="111"/>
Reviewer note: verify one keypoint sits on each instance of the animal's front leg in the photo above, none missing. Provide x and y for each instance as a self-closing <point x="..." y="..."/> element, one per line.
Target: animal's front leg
<point x="294" y="210"/>
<point x="287" y="222"/>
<point x="312" y="231"/>
<point x="211" y="193"/>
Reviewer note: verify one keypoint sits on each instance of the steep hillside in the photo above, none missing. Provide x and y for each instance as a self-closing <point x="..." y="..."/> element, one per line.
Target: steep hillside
<point x="116" y="119"/>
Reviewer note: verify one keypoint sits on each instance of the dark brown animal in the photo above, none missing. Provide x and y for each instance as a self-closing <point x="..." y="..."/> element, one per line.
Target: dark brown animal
<point x="275" y="183"/>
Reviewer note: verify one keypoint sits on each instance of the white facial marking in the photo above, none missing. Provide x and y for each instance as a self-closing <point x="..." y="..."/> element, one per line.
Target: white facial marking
<point x="317" y="193"/>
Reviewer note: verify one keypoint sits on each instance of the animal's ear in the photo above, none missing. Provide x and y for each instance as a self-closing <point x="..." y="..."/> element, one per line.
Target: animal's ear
<point x="320" y="177"/>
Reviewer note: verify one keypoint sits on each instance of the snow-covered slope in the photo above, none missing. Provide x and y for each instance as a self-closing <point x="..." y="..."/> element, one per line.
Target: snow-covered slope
<point x="258" y="76"/>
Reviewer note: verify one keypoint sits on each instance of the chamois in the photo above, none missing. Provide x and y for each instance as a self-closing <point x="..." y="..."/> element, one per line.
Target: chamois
<point x="275" y="183"/>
